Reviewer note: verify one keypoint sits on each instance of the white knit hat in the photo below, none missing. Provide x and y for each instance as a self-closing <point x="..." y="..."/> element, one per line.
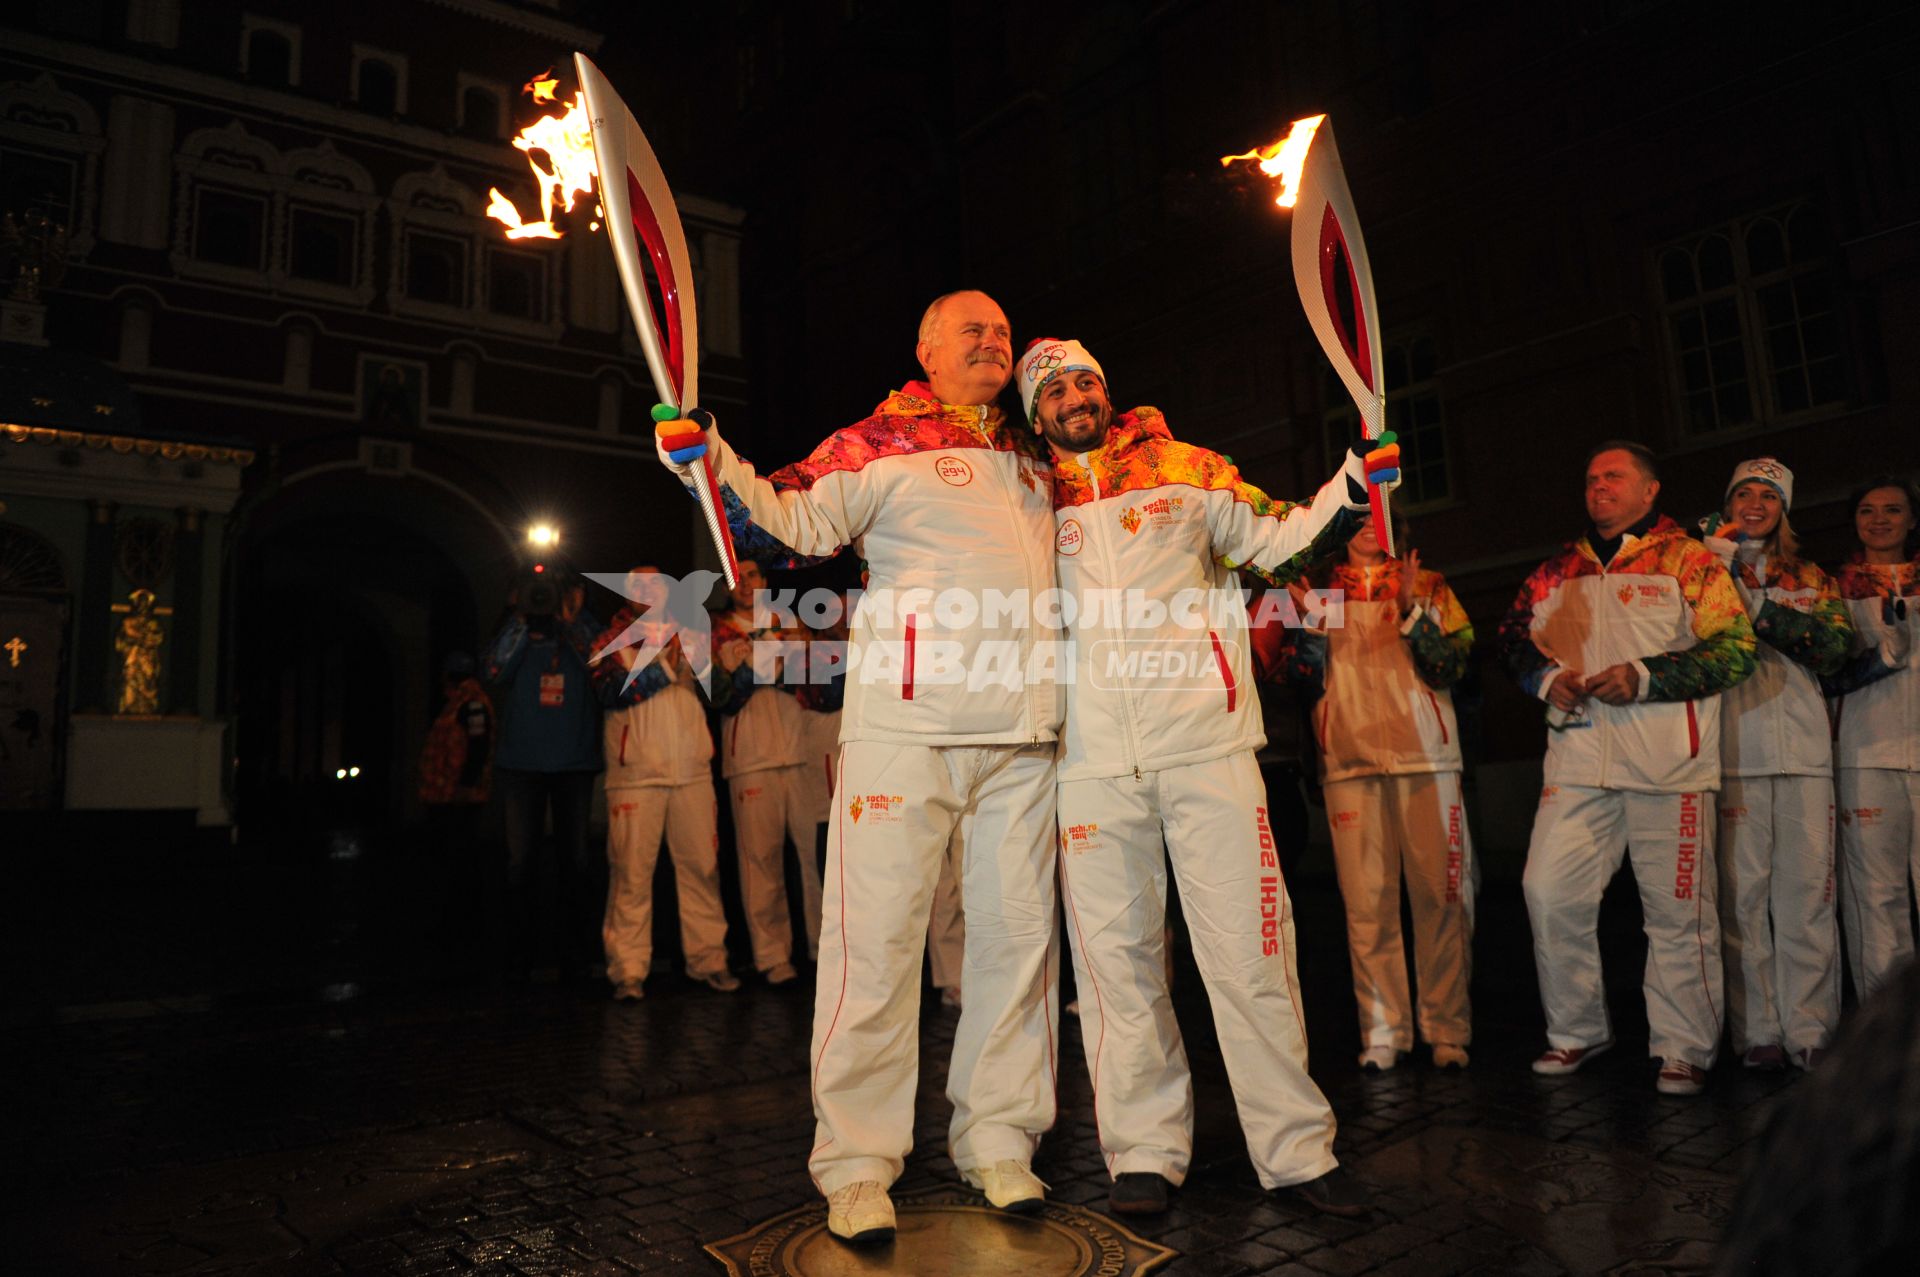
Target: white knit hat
<point x="1765" y="470"/>
<point x="1047" y="358"/>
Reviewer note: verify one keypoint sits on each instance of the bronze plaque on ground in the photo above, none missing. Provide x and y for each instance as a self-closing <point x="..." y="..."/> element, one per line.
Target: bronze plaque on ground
<point x="945" y="1232"/>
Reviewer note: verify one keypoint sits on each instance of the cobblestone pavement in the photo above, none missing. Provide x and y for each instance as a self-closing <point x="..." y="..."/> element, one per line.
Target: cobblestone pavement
<point x="410" y="1121"/>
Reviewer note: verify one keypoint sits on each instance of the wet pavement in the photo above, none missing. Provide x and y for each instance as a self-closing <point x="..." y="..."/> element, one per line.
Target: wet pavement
<point x="224" y="1063"/>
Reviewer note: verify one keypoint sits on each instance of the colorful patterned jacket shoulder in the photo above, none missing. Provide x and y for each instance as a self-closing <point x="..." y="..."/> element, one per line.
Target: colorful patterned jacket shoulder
<point x="1858" y="579"/>
<point x="1141" y="453"/>
<point x="1725" y="651"/>
<point x="908" y="421"/>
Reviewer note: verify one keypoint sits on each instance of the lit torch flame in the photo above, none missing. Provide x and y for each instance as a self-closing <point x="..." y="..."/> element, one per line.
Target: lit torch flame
<point x="1285" y="158"/>
<point x="541" y="87"/>
<point x="567" y="143"/>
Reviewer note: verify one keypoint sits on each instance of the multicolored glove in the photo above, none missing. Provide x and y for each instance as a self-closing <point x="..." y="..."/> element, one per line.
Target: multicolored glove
<point x="680" y="438"/>
<point x="1378" y="463"/>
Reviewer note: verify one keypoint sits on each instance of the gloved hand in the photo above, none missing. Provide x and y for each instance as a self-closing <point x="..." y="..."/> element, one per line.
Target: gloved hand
<point x="1897" y="638"/>
<point x="1722" y="548"/>
<point x="680" y="439"/>
<point x="1372" y="463"/>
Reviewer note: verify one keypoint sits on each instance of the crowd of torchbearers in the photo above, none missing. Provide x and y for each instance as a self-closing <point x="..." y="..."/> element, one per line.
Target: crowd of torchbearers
<point x="1714" y="701"/>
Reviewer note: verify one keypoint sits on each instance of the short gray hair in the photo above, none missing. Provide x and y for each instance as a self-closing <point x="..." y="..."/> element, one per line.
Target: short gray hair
<point x="932" y="314"/>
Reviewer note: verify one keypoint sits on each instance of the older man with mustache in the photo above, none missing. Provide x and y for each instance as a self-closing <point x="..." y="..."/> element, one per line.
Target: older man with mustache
<point x="938" y="494"/>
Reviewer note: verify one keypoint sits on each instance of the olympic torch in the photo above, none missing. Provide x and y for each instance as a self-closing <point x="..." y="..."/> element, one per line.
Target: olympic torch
<point x="1330" y="266"/>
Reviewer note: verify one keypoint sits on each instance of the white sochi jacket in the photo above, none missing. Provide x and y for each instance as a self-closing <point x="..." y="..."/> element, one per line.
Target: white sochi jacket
<point x="1663" y="603"/>
<point x="1146" y="519"/>
<point x="936" y="498"/>
<point x="1878" y="725"/>
<point x="655" y="727"/>
<point x="1775" y="723"/>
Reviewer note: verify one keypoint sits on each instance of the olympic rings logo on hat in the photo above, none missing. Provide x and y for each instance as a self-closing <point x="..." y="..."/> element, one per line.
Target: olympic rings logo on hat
<point x="1044" y="360"/>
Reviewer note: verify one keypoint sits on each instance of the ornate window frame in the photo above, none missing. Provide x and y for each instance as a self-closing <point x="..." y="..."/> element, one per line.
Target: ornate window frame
<point x="365" y="53"/>
<point x="232" y="158"/>
<point x="289" y="31"/>
<point x="321" y="178"/>
<point x="434" y="202"/>
<point x="502" y="97"/>
<point x="38" y="117"/>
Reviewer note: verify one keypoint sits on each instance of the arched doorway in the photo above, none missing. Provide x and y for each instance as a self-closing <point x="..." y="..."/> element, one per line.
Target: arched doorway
<point x="33" y="671"/>
<point x="352" y="590"/>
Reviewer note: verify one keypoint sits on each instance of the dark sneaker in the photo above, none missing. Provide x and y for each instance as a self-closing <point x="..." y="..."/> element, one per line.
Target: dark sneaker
<point x="1335" y="1193"/>
<point x="1766" y="1059"/>
<point x="1138" y="1193"/>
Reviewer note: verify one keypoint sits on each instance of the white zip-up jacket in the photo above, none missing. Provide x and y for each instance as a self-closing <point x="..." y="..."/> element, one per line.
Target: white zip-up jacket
<point x="655" y="727"/>
<point x="934" y="497"/>
<point x="1775" y="723"/>
<point x="1664" y="604"/>
<point x="1878" y="724"/>
<point x="1145" y="513"/>
<point x="761" y="725"/>
<point x="1386" y="708"/>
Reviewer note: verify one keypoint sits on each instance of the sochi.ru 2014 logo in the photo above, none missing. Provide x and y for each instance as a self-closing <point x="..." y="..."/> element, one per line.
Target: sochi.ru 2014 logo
<point x="854" y="809"/>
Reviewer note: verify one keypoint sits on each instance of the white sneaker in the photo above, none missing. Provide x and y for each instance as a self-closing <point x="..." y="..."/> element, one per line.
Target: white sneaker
<point x="861" y="1213"/>
<point x="1378" y="1059"/>
<point x="1010" y="1185"/>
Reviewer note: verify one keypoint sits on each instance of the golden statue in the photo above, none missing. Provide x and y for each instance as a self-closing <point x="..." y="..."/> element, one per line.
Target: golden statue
<point x="141" y="635"/>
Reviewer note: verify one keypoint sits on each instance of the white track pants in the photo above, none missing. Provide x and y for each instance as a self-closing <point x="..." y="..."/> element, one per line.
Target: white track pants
<point x="1384" y="826"/>
<point x="1879" y="856"/>
<point x="635" y="820"/>
<point x="1777" y="911"/>
<point x="947" y="928"/>
<point x="1579" y="835"/>
<point x="895" y="811"/>
<point x="1213" y="818"/>
<point x="769" y="807"/>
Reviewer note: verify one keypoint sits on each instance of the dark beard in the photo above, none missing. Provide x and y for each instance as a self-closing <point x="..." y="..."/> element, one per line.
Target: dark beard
<point x="1096" y="426"/>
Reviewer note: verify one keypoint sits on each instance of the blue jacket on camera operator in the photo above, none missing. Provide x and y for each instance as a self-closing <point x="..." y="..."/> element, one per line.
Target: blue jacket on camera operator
<point x="548" y="755"/>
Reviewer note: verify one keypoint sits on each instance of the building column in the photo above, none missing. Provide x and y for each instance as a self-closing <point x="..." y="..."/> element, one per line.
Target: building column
<point x="183" y="660"/>
<point x="94" y="627"/>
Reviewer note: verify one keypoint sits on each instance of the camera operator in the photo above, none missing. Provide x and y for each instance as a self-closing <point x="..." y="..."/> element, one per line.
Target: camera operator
<point x="549" y="753"/>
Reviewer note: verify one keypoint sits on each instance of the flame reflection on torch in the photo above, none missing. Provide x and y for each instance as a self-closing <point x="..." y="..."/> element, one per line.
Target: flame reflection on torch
<point x="1284" y="159"/>
<point x="566" y="141"/>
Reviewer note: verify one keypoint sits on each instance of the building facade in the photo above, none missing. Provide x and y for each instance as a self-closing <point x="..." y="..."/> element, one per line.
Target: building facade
<point x="344" y="394"/>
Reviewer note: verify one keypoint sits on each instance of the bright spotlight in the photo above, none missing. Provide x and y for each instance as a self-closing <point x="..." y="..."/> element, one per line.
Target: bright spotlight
<point x="543" y="535"/>
<point x="341" y="774"/>
<point x="353" y="771"/>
